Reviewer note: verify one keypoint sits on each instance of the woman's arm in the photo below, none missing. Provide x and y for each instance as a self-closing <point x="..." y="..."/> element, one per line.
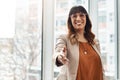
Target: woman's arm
<point x="59" y="56"/>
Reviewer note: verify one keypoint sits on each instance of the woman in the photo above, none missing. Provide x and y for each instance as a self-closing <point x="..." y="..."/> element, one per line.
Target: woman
<point x="78" y="52"/>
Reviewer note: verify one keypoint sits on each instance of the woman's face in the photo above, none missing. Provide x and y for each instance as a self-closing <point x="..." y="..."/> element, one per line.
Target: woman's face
<point x="78" y="21"/>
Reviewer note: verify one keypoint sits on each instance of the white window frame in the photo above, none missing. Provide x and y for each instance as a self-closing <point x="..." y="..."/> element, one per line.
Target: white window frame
<point x="118" y="47"/>
<point x="48" y="39"/>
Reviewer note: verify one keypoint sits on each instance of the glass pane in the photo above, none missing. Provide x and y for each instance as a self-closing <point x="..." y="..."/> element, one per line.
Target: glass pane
<point x="28" y="39"/>
<point x="20" y="57"/>
<point x="7" y="18"/>
<point x="61" y="12"/>
<point x="106" y="27"/>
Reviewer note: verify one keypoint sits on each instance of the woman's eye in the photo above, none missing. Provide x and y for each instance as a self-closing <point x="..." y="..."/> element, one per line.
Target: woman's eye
<point x="74" y="16"/>
<point x="82" y="15"/>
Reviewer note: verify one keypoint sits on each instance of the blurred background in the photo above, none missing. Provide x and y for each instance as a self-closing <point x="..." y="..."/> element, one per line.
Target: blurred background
<point x="28" y="31"/>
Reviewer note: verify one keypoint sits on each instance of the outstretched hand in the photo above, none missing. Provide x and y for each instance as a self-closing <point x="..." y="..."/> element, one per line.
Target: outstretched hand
<point x="62" y="57"/>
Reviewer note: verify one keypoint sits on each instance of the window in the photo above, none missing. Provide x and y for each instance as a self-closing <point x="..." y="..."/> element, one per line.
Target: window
<point x="107" y="27"/>
<point x="7" y="18"/>
<point x="20" y="56"/>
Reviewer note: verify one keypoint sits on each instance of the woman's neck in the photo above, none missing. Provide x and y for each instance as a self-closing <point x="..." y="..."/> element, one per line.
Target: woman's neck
<point x="81" y="37"/>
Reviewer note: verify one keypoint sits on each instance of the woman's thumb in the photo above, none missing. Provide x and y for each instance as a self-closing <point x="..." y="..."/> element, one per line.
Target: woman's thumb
<point x="64" y="49"/>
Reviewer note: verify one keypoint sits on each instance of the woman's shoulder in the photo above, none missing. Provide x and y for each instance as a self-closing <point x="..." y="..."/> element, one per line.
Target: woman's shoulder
<point x="96" y="41"/>
<point x="97" y="44"/>
<point x="62" y="36"/>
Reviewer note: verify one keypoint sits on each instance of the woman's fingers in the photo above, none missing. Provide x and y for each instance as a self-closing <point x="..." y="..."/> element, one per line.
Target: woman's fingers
<point x="62" y="58"/>
<point x="64" y="51"/>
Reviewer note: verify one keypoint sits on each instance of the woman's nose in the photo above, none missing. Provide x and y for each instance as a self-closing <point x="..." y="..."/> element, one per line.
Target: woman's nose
<point x="78" y="18"/>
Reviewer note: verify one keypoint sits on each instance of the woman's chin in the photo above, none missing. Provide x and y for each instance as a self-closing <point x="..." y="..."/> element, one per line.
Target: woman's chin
<point x="79" y="27"/>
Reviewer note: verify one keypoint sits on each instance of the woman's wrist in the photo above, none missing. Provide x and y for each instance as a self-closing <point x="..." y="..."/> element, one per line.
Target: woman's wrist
<point x="58" y="62"/>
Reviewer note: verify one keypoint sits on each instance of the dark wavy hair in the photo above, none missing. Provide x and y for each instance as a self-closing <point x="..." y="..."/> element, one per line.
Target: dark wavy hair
<point x="71" y="31"/>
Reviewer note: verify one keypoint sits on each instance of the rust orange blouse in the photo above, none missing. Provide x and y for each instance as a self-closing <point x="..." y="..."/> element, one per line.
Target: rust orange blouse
<point x="90" y="66"/>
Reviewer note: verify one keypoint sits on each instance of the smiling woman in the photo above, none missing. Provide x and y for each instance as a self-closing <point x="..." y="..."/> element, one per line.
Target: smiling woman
<point x="78" y="48"/>
<point x="62" y="8"/>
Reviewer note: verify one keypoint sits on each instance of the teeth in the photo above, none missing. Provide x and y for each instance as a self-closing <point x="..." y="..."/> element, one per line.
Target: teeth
<point x="78" y="23"/>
